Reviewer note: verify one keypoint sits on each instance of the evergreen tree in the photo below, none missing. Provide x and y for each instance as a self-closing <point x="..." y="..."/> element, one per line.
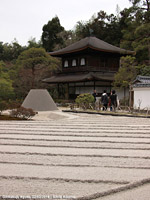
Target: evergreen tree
<point x="136" y="26"/>
<point x="33" y="65"/>
<point x="10" y="52"/>
<point x="50" y="36"/>
<point x="103" y="26"/>
<point x="6" y="89"/>
<point x="127" y="72"/>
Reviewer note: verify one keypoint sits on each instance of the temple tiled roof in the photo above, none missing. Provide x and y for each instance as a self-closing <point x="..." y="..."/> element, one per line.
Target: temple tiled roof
<point x="141" y="81"/>
<point x="93" y="43"/>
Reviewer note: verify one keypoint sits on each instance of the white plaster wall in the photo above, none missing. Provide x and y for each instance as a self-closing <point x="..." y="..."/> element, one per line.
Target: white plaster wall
<point x="142" y="98"/>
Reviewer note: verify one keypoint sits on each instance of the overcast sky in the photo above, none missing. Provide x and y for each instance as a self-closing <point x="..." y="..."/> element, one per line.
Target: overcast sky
<point x="24" y="19"/>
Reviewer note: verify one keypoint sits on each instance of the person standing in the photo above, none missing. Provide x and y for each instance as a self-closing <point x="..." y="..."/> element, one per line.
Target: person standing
<point x="104" y="100"/>
<point x="113" y="98"/>
<point x="94" y="95"/>
<point x="109" y="101"/>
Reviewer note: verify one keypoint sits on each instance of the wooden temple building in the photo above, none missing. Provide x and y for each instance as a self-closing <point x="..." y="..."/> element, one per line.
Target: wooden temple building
<point x="87" y="65"/>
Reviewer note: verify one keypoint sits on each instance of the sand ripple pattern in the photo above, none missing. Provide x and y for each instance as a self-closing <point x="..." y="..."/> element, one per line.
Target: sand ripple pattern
<point x="85" y="157"/>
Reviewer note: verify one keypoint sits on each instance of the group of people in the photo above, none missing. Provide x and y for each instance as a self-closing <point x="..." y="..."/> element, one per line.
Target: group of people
<point x="106" y="100"/>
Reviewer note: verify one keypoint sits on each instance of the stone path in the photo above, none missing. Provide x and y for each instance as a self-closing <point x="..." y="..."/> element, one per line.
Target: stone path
<point x="76" y="156"/>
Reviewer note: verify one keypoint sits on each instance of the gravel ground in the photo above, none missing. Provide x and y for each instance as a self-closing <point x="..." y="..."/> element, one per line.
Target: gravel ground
<point x="75" y="156"/>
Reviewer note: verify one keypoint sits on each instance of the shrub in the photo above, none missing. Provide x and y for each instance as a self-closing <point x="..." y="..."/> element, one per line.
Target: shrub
<point x="85" y="100"/>
<point x="3" y="106"/>
<point x="124" y="102"/>
<point x="23" y="113"/>
<point x="13" y="104"/>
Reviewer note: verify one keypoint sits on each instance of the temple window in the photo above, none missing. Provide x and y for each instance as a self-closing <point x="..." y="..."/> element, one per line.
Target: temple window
<point x="74" y="62"/>
<point x="82" y="61"/>
<point x="66" y="64"/>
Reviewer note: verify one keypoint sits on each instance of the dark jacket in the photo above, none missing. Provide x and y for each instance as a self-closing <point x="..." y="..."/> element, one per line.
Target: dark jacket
<point x="113" y="98"/>
<point x="104" y="98"/>
<point x="94" y="95"/>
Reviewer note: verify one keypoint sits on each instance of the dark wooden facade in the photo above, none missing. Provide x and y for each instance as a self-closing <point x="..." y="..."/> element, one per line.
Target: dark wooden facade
<point x="94" y="61"/>
<point x="87" y="65"/>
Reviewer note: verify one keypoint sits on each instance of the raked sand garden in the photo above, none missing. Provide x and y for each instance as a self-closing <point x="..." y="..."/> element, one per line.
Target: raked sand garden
<point x="59" y="155"/>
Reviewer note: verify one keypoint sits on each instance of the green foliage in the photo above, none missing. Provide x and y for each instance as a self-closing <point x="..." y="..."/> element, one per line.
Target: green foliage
<point x="6" y="89"/>
<point x="3" y="106"/>
<point x="53" y="91"/>
<point x="141" y="43"/>
<point x="127" y="72"/>
<point x="136" y="26"/>
<point x="23" y="113"/>
<point x="102" y="26"/>
<point x="13" y="104"/>
<point x="84" y="100"/>
<point x="143" y="70"/>
<point x="4" y="71"/>
<point x="142" y="4"/>
<point x="50" y="36"/>
<point x="10" y="52"/>
<point x="68" y="38"/>
<point x="32" y="57"/>
<point x="34" y="65"/>
<point x="124" y="101"/>
<point x="32" y="43"/>
<point x="36" y="58"/>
